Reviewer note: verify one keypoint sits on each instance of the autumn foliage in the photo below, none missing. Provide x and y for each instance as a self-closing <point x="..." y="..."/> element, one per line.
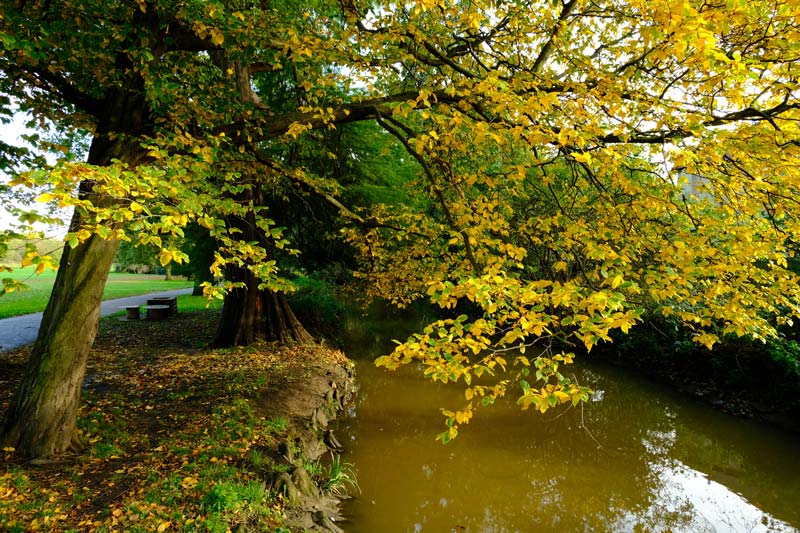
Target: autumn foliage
<point x="580" y="163"/>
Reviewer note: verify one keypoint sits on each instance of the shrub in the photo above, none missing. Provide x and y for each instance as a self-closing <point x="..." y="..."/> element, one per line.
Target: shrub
<point x="315" y="304"/>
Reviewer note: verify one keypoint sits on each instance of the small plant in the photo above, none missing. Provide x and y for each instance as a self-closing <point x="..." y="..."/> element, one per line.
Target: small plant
<point x="277" y="425"/>
<point x="105" y="450"/>
<point x="314" y="468"/>
<point x="235" y="505"/>
<point x="341" y="478"/>
<point x="233" y="496"/>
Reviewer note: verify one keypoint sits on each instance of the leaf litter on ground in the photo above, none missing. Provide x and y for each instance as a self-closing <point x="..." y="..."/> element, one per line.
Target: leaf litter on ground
<point x="174" y="439"/>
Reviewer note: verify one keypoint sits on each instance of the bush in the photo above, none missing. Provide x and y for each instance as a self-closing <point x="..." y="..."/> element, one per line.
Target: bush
<point x="784" y="355"/>
<point x="315" y="304"/>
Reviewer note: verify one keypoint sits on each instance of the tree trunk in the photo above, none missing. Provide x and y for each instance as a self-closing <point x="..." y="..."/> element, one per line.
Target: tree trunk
<point x="168" y="272"/>
<point x="250" y="314"/>
<point x="42" y="417"/>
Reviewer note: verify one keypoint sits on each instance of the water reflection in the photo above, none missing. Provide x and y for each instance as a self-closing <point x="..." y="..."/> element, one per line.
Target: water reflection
<point x="647" y="460"/>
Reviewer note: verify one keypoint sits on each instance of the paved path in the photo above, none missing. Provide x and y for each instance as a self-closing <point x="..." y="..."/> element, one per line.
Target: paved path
<point x="21" y="330"/>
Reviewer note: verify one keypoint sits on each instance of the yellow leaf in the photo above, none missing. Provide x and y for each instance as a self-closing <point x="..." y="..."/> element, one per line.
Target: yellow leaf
<point x="216" y="35"/>
<point x="165" y="257"/>
<point x="582" y="157"/>
<point x="189" y="482"/>
<point x="706" y="339"/>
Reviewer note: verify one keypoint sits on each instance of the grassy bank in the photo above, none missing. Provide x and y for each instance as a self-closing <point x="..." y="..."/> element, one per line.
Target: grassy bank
<point x="176" y="439"/>
<point x="119" y="285"/>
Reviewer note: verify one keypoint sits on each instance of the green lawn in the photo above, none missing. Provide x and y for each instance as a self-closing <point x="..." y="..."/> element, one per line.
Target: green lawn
<point x="119" y="286"/>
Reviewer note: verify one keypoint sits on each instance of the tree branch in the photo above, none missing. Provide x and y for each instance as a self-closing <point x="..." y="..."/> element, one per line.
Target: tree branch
<point x="391" y="125"/>
<point x="547" y="49"/>
<point x="63" y="89"/>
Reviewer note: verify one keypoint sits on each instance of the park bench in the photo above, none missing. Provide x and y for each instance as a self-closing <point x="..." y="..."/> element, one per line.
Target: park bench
<point x="156" y="309"/>
<point x="170" y="301"/>
<point x="158" y="312"/>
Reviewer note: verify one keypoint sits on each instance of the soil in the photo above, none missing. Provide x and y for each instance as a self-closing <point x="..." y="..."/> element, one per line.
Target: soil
<point x="159" y="381"/>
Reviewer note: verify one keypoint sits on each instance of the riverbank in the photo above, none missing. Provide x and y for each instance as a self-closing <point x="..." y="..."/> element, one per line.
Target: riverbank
<point x="740" y="377"/>
<point x="181" y="437"/>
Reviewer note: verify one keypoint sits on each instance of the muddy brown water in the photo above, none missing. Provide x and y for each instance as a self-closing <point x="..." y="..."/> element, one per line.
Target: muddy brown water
<point x="638" y="457"/>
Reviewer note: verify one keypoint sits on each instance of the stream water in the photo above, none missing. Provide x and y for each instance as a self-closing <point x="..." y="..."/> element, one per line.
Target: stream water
<point x="638" y="457"/>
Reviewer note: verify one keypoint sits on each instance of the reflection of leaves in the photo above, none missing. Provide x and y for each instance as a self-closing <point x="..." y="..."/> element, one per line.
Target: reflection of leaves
<point x="166" y="421"/>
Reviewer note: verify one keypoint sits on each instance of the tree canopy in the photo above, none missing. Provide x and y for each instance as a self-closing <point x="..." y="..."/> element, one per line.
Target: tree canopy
<point x="552" y="144"/>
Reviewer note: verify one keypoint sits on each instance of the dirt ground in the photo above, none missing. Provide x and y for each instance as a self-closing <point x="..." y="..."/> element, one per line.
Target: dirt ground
<point x="168" y="423"/>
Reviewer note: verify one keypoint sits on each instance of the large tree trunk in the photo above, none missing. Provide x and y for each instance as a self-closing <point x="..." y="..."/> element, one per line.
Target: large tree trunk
<point x="250" y="314"/>
<point x="42" y="417"/>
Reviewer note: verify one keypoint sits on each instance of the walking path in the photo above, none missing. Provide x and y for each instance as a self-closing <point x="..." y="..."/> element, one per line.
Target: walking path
<point x="21" y="330"/>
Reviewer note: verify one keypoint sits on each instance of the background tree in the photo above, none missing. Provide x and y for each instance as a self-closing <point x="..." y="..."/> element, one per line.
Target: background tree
<point x="554" y="151"/>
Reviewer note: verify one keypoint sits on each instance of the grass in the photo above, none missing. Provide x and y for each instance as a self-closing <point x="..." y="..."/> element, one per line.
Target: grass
<point x="341" y="478"/>
<point x="119" y="285"/>
<point x="175" y="437"/>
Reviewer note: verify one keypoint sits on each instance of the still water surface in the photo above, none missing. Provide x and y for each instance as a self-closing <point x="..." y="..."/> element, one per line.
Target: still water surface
<point x="646" y="459"/>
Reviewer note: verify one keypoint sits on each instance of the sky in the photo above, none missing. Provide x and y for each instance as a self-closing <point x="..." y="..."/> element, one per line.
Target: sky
<point x="11" y="134"/>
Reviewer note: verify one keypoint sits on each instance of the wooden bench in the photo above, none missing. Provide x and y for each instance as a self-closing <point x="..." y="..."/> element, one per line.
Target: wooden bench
<point x="170" y="301"/>
<point x="158" y="312"/>
<point x="132" y="312"/>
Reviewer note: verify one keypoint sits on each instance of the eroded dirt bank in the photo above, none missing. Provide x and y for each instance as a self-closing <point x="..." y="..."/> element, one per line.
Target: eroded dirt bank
<point x="184" y="438"/>
<point x="309" y="401"/>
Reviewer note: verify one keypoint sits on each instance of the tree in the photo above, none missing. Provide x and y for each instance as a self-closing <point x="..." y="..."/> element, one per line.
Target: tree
<point x="554" y="141"/>
<point x="120" y="70"/>
<point x="552" y="131"/>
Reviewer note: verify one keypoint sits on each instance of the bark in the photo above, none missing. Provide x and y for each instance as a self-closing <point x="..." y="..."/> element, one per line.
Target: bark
<point x="250" y="314"/>
<point x="42" y="417"/>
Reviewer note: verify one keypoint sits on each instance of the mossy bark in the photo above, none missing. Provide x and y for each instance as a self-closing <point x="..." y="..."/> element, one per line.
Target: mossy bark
<point x="42" y="417"/>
